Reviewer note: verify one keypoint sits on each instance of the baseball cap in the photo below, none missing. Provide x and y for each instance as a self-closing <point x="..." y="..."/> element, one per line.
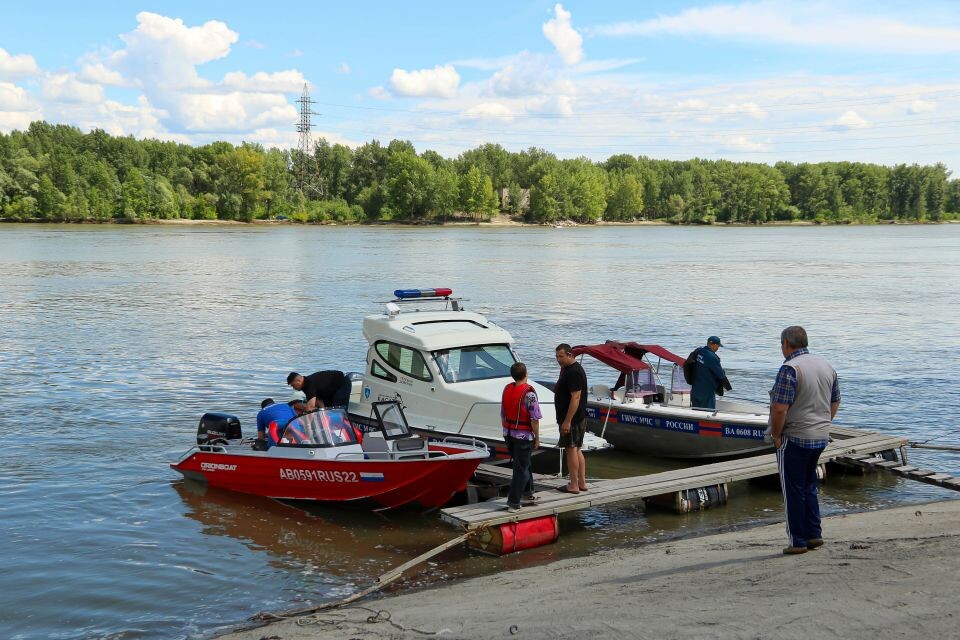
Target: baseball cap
<point x="714" y="340"/>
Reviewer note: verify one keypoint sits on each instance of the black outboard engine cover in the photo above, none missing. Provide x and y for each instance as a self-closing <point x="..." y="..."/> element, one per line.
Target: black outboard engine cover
<point x="218" y="426"/>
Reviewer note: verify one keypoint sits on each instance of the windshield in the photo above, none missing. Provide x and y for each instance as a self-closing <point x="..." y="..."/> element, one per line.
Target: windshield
<point x="474" y="363"/>
<point x="392" y="418"/>
<point x="320" y="428"/>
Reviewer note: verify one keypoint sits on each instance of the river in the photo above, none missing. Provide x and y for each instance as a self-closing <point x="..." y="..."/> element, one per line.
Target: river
<point x="115" y="339"/>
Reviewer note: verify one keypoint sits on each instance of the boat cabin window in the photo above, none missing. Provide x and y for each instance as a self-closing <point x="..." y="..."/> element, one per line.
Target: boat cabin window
<point x="480" y="362"/>
<point x="378" y="371"/>
<point x="320" y="428"/>
<point x="404" y="359"/>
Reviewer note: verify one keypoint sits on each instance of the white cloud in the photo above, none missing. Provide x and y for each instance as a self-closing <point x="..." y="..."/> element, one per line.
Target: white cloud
<point x="489" y="110"/>
<point x="234" y="111"/>
<point x="20" y="120"/>
<point x="751" y="109"/>
<point x="344" y="68"/>
<point x="921" y="106"/>
<point x="163" y="53"/>
<point x="437" y="82"/>
<point x="848" y="121"/>
<point x="529" y="74"/>
<point x="288" y="81"/>
<point x="98" y="73"/>
<point x="553" y="105"/>
<point x="565" y="39"/>
<point x="65" y="87"/>
<point x="162" y="57"/>
<point x="255" y="44"/>
<point x="814" y="24"/>
<point x="16" y="66"/>
<point x="14" y="98"/>
<point x="743" y="143"/>
<point x="17" y="108"/>
<point x="379" y="93"/>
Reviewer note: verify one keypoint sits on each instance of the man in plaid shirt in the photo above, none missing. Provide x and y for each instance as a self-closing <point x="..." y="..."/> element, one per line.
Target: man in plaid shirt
<point x="803" y="402"/>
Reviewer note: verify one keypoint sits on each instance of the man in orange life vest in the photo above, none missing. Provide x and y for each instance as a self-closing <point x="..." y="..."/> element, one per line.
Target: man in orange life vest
<point x="520" y="415"/>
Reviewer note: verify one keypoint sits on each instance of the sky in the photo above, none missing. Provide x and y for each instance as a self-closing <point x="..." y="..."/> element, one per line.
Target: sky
<point x="760" y="81"/>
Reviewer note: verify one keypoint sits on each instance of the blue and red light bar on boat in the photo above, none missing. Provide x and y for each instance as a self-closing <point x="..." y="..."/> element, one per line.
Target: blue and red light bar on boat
<point x="408" y="294"/>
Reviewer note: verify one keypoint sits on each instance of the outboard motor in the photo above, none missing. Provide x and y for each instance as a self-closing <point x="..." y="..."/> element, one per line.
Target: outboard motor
<point x="218" y="426"/>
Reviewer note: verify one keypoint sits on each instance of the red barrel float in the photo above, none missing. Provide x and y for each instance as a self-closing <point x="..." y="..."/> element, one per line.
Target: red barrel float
<point x="508" y="537"/>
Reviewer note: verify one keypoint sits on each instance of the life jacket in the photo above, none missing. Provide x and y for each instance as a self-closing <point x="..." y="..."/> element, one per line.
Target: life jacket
<point x="515" y="414"/>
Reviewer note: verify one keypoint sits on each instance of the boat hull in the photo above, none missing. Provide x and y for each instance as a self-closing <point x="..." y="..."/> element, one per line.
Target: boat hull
<point x="686" y="434"/>
<point x="386" y="484"/>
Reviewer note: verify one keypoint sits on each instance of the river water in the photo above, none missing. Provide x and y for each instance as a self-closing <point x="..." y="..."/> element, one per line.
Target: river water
<point x="115" y="339"/>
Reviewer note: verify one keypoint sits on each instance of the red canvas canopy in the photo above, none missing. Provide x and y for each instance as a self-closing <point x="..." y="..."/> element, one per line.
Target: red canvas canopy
<point x="639" y="350"/>
<point x="626" y="356"/>
<point x="612" y="353"/>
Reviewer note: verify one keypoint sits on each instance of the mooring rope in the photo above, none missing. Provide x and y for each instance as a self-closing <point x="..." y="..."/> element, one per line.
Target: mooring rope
<point x="381" y="582"/>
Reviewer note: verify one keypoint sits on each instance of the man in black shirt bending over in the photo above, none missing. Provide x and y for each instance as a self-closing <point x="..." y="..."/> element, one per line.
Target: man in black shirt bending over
<point x="323" y="389"/>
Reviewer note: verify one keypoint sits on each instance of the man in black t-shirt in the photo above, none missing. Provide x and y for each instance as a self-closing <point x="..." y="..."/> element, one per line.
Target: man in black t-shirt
<point x="323" y="389"/>
<point x="570" y="399"/>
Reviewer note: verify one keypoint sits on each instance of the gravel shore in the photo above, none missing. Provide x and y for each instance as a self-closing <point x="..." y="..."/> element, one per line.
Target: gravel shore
<point x="881" y="574"/>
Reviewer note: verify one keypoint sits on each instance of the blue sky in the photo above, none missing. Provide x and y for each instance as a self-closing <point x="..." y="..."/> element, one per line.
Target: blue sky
<point x="760" y="81"/>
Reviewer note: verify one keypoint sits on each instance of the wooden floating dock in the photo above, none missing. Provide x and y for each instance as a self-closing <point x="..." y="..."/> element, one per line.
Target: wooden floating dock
<point x="846" y="443"/>
<point x="944" y="480"/>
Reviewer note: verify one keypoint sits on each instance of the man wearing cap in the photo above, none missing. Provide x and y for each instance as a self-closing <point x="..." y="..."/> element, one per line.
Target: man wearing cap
<point x="709" y="376"/>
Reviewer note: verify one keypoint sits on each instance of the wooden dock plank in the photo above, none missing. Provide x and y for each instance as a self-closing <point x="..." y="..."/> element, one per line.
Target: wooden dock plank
<point x="604" y="492"/>
<point x="888" y="464"/>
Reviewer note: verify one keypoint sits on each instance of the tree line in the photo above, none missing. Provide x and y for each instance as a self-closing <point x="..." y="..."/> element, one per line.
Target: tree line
<point x="58" y="173"/>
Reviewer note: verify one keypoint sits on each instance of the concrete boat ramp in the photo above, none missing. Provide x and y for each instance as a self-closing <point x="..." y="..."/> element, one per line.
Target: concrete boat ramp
<point x="852" y="447"/>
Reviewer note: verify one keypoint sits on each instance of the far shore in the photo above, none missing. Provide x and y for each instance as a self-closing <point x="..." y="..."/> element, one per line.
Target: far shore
<point x="884" y="574"/>
<point x="500" y="221"/>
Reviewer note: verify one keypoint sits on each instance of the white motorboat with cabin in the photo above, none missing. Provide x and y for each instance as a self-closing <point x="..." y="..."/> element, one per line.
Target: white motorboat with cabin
<point x="644" y="415"/>
<point x="448" y="368"/>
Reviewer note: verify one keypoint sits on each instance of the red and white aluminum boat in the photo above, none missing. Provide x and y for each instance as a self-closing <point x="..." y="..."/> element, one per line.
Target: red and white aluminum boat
<point x="321" y="457"/>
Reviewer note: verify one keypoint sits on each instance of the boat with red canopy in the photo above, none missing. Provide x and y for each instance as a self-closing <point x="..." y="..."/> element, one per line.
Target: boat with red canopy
<point x="322" y="457"/>
<point x="648" y="409"/>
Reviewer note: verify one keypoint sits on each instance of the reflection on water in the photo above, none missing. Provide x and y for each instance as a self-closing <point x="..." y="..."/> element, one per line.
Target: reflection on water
<point x="114" y="340"/>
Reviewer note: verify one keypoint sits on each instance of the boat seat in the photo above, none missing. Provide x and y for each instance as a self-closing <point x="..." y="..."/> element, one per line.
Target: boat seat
<point x="375" y="444"/>
<point x="409" y="444"/>
<point x="600" y="391"/>
<point x="620" y="394"/>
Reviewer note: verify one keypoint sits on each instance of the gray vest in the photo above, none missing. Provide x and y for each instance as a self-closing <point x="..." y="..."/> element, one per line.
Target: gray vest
<point x="809" y="415"/>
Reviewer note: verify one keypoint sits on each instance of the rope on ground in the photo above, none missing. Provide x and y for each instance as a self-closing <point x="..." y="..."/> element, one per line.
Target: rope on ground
<point x="381" y="582"/>
<point x="337" y="619"/>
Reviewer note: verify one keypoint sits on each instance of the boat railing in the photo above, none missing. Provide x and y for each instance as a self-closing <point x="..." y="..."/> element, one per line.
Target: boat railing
<point x="490" y="403"/>
<point x="466" y="440"/>
<point x="392" y="455"/>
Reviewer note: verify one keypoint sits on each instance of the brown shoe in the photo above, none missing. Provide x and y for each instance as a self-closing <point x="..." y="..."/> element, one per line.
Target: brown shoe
<point x="792" y="551"/>
<point x="814" y="543"/>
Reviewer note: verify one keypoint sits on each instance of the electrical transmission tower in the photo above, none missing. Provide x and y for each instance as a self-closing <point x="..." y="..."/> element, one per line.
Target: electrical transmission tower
<point x="305" y="145"/>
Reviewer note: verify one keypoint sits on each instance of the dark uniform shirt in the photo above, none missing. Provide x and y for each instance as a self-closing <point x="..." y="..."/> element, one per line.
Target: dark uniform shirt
<point x="709" y="373"/>
<point x="572" y="378"/>
<point x="323" y="385"/>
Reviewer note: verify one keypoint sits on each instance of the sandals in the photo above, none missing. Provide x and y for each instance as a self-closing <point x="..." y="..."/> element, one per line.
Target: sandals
<point x="564" y="489"/>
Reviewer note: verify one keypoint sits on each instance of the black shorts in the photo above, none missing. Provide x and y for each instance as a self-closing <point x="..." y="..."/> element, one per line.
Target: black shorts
<point x="574" y="438"/>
